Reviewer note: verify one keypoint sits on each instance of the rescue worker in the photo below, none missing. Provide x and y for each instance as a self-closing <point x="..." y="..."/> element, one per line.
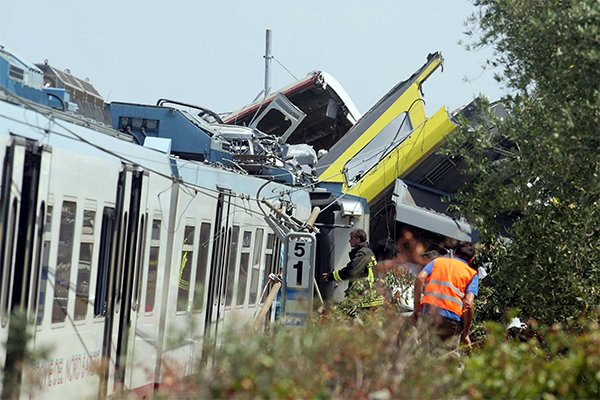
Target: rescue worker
<point x="362" y="261"/>
<point x="450" y="286"/>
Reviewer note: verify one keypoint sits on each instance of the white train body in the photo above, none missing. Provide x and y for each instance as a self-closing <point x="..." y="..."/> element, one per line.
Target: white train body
<point x="126" y="263"/>
<point x="130" y="260"/>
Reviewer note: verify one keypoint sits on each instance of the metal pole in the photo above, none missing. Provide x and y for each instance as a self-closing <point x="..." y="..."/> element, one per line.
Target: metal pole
<point x="268" y="58"/>
<point x="268" y="303"/>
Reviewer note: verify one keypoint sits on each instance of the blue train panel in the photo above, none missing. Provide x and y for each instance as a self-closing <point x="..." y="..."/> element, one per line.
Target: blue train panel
<point x="191" y="137"/>
<point x="20" y="77"/>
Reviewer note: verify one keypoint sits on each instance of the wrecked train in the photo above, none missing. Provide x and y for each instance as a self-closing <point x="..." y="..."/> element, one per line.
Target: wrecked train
<point x="125" y="226"/>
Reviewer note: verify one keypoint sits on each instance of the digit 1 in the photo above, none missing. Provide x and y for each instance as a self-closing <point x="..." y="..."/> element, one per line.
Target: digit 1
<point x="298" y="266"/>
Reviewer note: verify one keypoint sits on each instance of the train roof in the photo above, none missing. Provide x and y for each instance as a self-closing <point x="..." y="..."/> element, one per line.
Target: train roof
<point x="330" y="112"/>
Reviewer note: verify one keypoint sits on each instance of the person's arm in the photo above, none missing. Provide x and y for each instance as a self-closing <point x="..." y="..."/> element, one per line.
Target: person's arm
<point x="347" y="271"/>
<point x="419" y="284"/>
<point x="469" y="309"/>
<point x="468" y="312"/>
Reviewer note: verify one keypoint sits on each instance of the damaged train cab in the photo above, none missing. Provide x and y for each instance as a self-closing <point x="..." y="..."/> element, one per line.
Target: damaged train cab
<point x="386" y="159"/>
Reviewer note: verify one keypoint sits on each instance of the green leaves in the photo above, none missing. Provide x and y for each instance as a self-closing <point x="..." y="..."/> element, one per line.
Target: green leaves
<point x="330" y="359"/>
<point x="543" y="191"/>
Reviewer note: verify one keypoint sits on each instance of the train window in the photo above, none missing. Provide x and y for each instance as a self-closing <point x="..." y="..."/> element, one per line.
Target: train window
<point x="201" y="267"/>
<point x="243" y="279"/>
<point x="243" y="275"/>
<point x="8" y="261"/>
<point x="255" y="270"/>
<point x="84" y="268"/>
<point x="35" y="277"/>
<point x="279" y="251"/>
<point x="153" y="265"/>
<point x="4" y="199"/>
<point x="185" y="271"/>
<point x="106" y="243"/>
<point x="233" y="248"/>
<point x="156" y="229"/>
<point x="268" y="259"/>
<point x="45" y="261"/>
<point x="63" y="261"/>
<point x="247" y="239"/>
<point x="121" y="257"/>
<point x="140" y="261"/>
<point x="394" y="133"/>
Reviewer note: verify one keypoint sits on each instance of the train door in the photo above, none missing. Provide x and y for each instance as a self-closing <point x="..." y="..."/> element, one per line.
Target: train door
<point x="217" y="284"/>
<point x="135" y="251"/>
<point x="199" y="303"/>
<point x="154" y="268"/>
<point x="117" y="308"/>
<point x="125" y="320"/>
<point x="40" y="224"/>
<point x="21" y="221"/>
<point x="116" y="244"/>
<point x="12" y="177"/>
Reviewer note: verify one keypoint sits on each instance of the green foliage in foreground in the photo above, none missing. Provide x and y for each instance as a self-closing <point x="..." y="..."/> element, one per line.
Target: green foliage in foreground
<point x="337" y="360"/>
<point x="547" y="182"/>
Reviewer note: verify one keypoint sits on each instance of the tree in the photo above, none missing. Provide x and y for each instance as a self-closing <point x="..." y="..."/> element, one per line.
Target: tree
<point x="547" y="262"/>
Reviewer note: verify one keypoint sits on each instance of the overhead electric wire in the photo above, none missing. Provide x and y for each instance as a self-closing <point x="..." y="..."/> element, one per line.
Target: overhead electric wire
<point x="180" y="181"/>
<point x="283" y="66"/>
<point x="372" y="154"/>
<point x="175" y="180"/>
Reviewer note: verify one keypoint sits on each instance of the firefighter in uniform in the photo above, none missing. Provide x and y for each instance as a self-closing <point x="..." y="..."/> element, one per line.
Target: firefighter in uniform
<point x="362" y="262"/>
<point x="449" y="287"/>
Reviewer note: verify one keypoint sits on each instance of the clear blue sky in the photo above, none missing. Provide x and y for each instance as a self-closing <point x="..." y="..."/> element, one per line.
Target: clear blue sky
<point x="210" y="53"/>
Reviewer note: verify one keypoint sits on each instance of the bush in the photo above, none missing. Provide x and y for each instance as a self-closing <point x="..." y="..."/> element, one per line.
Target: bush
<point x="552" y="364"/>
<point x="333" y="359"/>
<point x="535" y="177"/>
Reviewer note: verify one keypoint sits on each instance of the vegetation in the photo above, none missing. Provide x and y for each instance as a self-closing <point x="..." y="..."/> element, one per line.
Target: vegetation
<point x="351" y="352"/>
<point x="383" y="357"/>
<point x="534" y="195"/>
<point x="538" y="206"/>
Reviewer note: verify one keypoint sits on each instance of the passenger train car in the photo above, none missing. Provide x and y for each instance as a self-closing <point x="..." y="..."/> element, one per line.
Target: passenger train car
<point x="126" y="255"/>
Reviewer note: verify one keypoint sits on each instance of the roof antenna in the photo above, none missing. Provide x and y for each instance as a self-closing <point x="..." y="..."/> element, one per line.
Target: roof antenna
<point x="268" y="58"/>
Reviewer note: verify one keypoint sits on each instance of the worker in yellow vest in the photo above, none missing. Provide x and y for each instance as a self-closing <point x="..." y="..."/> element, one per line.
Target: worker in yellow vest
<point x="362" y="261"/>
<point x="449" y="287"/>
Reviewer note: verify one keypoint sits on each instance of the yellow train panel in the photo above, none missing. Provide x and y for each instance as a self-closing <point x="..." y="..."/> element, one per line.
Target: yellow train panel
<point x="423" y="141"/>
<point x="404" y="98"/>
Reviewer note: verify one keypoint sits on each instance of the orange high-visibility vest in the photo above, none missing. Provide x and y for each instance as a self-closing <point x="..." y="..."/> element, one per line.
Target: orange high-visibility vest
<point x="445" y="287"/>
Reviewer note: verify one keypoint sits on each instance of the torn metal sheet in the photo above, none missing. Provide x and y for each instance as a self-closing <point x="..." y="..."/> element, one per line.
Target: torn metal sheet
<point x="330" y="112"/>
<point x="389" y="140"/>
<point x="415" y="207"/>
<point x="447" y="173"/>
<point x="280" y="118"/>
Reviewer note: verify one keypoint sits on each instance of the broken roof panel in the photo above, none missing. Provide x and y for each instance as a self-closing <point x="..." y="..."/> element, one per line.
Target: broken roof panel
<point x="445" y="173"/>
<point x="422" y="209"/>
<point x="330" y="112"/>
<point x="392" y="138"/>
<point x="72" y="80"/>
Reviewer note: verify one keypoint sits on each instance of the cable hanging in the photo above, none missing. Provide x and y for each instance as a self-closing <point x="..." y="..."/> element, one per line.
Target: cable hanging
<point x="283" y="66"/>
